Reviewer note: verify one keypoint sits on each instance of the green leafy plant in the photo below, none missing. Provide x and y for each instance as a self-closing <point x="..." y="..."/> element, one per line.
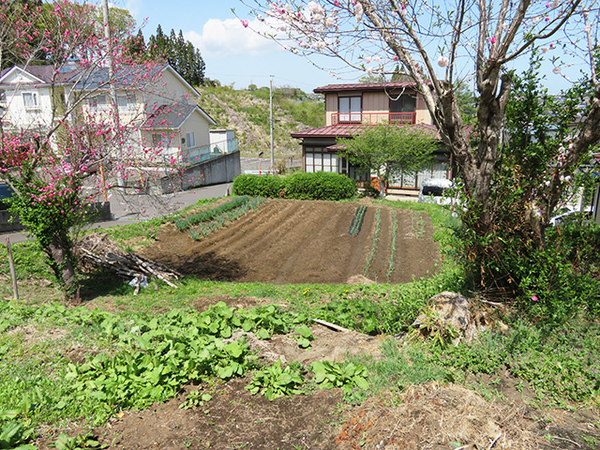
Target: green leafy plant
<point x="434" y="326"/>
<point x="266" y="321"/>
<point x="195" y="399"/>
<point x="79" y="442"/>
<point x="276" y="381"/>
<point x="347" y="376"/>
<point x="304" y="337"/>
<point x="14" y="435"/>
<point x="208" y="215"/>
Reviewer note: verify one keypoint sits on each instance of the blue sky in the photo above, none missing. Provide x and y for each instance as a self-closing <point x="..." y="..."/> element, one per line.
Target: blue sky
<point x="232" y="53"/>
<point x="237" y="55"/>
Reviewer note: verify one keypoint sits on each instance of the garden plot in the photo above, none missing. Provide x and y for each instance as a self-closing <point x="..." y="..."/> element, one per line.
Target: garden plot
<point x="299" y="241"/>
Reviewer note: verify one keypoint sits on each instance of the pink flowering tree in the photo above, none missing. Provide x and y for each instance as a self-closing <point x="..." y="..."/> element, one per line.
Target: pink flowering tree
<point x="442" y="45"/>
<point x="61" y="162"/>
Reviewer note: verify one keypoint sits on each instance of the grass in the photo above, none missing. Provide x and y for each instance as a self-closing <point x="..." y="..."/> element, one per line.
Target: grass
<point x="41" y="382"/>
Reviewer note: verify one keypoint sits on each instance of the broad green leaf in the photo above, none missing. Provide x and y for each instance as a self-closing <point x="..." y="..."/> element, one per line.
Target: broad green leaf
<point x="234" y="349"/>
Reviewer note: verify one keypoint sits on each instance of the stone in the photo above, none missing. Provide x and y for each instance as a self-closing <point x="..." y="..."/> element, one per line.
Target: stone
<point x="448" y="314"/>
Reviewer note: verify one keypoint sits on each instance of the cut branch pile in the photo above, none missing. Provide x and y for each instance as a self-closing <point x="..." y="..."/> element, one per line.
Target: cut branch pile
<point x="96" y="251"/>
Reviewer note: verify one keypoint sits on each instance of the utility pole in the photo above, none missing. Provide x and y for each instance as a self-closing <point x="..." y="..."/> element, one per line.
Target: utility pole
<point x="111" y="70"/>
<point x="271" y="108"/>
<point x="111" y="86"/>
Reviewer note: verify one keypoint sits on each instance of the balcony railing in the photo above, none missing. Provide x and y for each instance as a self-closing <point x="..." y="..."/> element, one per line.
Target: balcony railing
<point x="400" y="118"/>
<point x="204" y="153"/>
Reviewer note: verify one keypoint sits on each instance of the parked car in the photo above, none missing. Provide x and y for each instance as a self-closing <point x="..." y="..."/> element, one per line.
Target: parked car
<point x="571" y="216"/>
<point x="434" y="190"/>
<point x="5" y="193"/>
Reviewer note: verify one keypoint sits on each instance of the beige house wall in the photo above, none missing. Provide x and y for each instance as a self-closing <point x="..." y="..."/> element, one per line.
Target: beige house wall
<point x="169" y="89"/>
<point x="376" y="103"/>
<point x="200" y="127"/>
<point x="423" y="115"/>
<point x="331" y="106"/>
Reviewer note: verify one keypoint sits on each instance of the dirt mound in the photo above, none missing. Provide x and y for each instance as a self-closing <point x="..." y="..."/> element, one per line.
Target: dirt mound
<point x="430" y="416"/>
<point x="293" y="241"/>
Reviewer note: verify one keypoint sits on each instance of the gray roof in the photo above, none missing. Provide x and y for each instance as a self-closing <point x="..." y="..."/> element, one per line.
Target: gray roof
<point x="169" y="116"/>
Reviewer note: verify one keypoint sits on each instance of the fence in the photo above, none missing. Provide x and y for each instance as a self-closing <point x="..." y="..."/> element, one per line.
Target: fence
<point x="208" y="152"/>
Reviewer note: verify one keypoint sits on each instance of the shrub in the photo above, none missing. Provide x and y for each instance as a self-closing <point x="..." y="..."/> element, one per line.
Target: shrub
<point x="320" y="186"/>
<point x="303" y="186"/>
<point x="258" y="186"/>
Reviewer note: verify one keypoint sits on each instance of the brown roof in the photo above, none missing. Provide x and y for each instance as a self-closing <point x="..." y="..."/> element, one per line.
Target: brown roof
<point x="366" y="86"/>
<point x="45" y="72"/>
<point x="332" y="131"/>
<point x="347" y="131"/>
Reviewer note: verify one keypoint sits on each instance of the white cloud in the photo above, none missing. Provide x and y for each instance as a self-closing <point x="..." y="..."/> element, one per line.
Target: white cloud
<point x="222" y="38"/>
<point x="134" y="7"/>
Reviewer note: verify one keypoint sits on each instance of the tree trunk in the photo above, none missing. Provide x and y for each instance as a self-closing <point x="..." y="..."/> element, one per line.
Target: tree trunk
<point x="64" y="269"/>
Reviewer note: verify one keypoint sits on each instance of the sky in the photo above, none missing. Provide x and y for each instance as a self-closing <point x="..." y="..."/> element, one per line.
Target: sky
<point x="232" y="54"/>
<point x="238" y="57"/>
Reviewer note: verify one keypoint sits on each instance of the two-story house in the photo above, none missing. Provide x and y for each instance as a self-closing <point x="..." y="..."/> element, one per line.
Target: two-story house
<point x="160" y="108"/>
<point x="348" y="107"/>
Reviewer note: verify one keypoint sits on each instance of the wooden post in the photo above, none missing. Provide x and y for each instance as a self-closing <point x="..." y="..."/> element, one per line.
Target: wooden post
<point x="13" y="273"/>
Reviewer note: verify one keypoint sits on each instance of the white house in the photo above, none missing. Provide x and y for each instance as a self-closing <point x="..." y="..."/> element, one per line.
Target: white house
<point x="158" y="106"/>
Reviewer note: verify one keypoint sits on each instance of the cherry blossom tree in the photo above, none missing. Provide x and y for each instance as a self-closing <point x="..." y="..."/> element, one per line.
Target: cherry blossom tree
<point x="57" y="167"/>
<point x="443" y="44"/>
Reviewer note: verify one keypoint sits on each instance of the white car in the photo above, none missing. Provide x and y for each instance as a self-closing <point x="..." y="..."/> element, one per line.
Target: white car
<point x="571" y="215"/>
<point x="434" y="190"/>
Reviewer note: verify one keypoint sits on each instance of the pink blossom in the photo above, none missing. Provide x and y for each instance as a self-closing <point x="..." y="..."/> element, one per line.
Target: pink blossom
<point x="534" y="298"/>
<point x="493" y="40"/>
<point x="245" y="23"/>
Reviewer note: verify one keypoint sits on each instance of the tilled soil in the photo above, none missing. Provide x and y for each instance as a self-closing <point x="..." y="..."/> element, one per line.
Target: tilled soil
<point x="293" y="241"/>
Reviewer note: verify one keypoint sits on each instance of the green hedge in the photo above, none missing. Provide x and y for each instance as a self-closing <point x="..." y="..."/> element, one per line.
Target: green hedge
<point x="304" y="186"/>
<point x="258" y="186"/>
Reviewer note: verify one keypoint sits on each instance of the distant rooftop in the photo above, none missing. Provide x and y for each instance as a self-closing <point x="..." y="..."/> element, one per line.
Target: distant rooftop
<point x="392" y="85"/>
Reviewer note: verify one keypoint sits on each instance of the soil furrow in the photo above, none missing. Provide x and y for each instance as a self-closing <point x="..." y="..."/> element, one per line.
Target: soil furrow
<point x="293" y="241"/>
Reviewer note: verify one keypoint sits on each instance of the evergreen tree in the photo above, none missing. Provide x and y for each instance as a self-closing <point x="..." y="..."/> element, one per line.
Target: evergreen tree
<point x="180" y="53"/>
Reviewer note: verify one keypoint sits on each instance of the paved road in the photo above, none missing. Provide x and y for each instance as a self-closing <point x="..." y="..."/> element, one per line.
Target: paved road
<point x="137" y="208"/>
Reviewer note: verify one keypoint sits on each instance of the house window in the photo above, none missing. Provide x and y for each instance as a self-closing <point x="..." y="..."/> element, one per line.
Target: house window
<point x="126" y="101"/>
<point x="350" y="109"/>
<point x="318" y="160"/>
<point x="2" y="96"/>
<point x="98" y="101"/>
<point x="30" y="100"/>
<point x="402" y="110"/>
<point x="190" y="140"/>
<point x="161" y="140"/>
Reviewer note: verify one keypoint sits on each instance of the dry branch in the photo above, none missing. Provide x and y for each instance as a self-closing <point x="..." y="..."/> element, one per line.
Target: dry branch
<point x="96" y="251"/>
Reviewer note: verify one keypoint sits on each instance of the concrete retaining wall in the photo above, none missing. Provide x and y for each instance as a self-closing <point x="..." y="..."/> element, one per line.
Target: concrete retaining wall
<point x="222" y="169"/>
<point x="5" y="224"/>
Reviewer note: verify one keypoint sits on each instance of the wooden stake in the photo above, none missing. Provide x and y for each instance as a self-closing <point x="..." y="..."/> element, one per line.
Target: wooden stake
<point x="13" y="273"/>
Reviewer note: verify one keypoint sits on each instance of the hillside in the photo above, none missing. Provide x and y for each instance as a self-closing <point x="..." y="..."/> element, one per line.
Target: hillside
<point x="247" y="112"/>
